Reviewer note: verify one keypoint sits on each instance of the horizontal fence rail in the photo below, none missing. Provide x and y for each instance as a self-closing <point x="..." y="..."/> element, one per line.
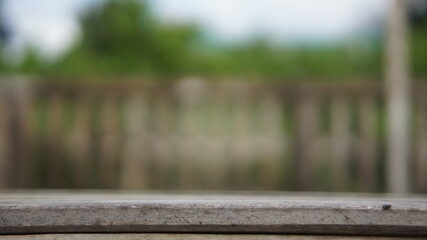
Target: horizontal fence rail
<point x="194" y="134"/>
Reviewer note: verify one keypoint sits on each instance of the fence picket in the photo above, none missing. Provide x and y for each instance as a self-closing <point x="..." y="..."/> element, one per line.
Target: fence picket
<point x="162" y="141"/>
<point x="109" y="141"/>
<point x="215" y="151"/>
<point x="4" y="142"/>
<point x="273" y="142"/>
<point x="55" y="138"/>
<point x="80" y="144"/>
<point x="134" y="164"/>
<point x="242" y="152"/>
<point x="367" y="145"/>
<point x="341" y="140"/>
<point x="421" y="143"/>
<point x="306" y="132"/>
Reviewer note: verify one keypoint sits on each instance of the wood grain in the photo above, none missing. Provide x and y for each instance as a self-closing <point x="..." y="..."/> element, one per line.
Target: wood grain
<point x="115" y="212"/>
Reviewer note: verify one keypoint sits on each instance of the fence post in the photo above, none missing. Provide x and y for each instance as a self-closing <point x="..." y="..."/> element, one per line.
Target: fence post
<point x="397" y="87"/>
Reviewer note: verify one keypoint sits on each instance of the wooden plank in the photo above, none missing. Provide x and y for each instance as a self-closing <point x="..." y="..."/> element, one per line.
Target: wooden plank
<point x="216" y="148"/>
<point x="16" y="96"/>
<point x="420" y="164"/>
<point x="306" y="133"/>
<point x="109" y="141"/>
<point x="272" y="147"/>
<point x="190" y="93"/>
<point x="242" y="152"/>
<point x="55" y="136"/>
<point x="16" y="106"/>
<point x="162" y="146"/>
<point x="341" y="142"/>
<point x="80" y="140"/>
<point x="24" y="120"/>
<point x="134" y="161"/>
<point x="4" y="142"/>
<point x="185" y="236"/>
<point x="367" y="145"/>
<point x="115" y="212"/>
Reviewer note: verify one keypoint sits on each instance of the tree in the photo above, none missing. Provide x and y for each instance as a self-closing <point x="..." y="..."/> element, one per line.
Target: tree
<point x="4" y="34"/>
<point x="123" y="37"/>
<point x="418" y="28"/>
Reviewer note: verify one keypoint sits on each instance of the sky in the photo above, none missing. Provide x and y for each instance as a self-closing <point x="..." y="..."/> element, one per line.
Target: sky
<point x="52" y="26"/>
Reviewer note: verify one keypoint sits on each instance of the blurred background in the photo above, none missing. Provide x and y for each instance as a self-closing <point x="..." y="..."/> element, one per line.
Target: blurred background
<point x="292" y="95"/>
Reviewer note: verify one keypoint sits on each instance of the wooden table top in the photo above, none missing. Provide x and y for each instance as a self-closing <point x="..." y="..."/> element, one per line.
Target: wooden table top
<point x="29" y="212"/>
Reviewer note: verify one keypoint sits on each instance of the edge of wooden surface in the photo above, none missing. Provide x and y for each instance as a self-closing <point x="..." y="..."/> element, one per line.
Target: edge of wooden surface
<point x="184" y="236"/>
<point x="27" y="213"/>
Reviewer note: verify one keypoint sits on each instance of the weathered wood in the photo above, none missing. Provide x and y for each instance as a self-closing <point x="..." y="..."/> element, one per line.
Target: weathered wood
<point x="367" y="145"/>
<point x="306" y="133"/>
<point x="217" y="145"/>
<point x="134" y="162"/>
<point x="4" y="142"/>
<point x="189" y="96"/>
<point x="112" y="212"/>
<point x="17" y="93"/>
<point x="162" y="141"/>
<point x="80" y="140"/>
<point x="341" y="143"/>
<point x="55" y="136"/>
<point x="420" y="164"/>
<point x="109" y="141"/>
<point x="185" y="236"/>
<point x="240" y="137"/>
<point x="271" y="145"/>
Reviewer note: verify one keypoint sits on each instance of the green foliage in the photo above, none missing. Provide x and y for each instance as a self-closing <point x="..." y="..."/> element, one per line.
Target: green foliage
<point x="418" y="39"/>
<point x="419" y="47"/>
<point x="31" y="62"/>
<point x="419" y="52"/>
<point x="124" y="38"/>
<point x="260" y="58"/>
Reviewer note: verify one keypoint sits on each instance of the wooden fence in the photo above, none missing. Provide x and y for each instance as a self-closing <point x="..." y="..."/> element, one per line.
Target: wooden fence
<point x="201" y="135"/>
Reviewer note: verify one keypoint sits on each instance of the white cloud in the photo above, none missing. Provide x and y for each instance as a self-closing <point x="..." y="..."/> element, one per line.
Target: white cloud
<point x="49" y="25"/>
